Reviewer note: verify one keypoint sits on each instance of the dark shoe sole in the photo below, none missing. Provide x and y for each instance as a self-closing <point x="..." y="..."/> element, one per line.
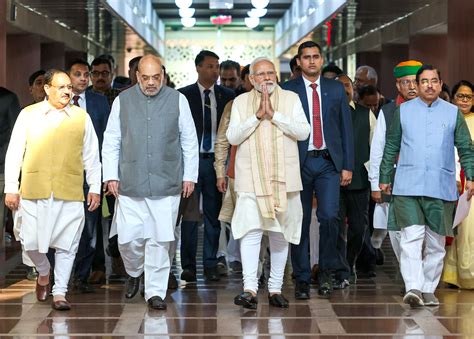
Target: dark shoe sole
<point x="245" y="303"/>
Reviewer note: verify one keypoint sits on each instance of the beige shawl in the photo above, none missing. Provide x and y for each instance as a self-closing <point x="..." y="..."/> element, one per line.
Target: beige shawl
<point x="268" y="159"/>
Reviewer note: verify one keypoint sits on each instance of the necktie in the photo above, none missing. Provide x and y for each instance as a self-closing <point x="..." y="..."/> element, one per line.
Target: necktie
<point x="75" y="100"/>
<point x="317" y="132"/>
<point x="207" y="138"/>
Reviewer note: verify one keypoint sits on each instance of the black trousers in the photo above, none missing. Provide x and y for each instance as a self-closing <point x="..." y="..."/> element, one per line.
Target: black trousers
<point x="353" y="206"/>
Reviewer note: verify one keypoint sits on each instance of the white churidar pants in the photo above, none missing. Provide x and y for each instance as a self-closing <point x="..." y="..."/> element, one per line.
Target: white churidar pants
<point x="64" y="261"/>
<point x="151" y="257"/>
<point x="421" y="267"/>
<point x="250" y="249"/>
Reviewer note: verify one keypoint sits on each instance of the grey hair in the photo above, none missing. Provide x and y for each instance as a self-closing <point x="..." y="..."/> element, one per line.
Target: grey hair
<point x="256" y="61"/>
<point x="371" y="72"/>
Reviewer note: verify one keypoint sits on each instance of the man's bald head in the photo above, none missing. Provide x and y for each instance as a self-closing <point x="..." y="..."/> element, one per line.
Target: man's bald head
<point x="150" y="75"/>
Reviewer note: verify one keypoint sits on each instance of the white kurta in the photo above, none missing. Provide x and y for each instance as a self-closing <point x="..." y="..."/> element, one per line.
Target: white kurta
<point x="45" y="223"/>
<point x="247" y="214"/>
<point x="150" y="217"/>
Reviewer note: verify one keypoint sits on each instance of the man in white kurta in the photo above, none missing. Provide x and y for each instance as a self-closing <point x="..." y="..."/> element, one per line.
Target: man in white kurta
<point x="265" y="124"/>
<point x="150" y="156"/>
<point x="52" y="144"/>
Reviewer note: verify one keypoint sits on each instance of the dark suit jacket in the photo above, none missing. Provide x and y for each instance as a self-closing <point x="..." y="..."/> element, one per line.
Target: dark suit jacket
<point x="337" y="123"/>
<point x="9" y="110"/>
<point x="99" y="110"/>
<point x="192" y="93"/>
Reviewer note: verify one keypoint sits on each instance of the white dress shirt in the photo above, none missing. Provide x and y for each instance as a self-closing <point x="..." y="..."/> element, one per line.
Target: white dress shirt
<point x="187" y="136"/>
<point x="212" y="97"/>
<point x="309" y="95"/>
<point x="82" y="100"/>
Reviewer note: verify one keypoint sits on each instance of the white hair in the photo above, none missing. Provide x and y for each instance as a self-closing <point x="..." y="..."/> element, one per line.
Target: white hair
<point x="256" y="61"/>
<point x="371" y="72"/>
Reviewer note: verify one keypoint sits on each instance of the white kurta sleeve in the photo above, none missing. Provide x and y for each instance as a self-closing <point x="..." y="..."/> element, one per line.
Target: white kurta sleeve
<point x="294" y="125"/>
<point x="15" y="152"/>
<point x="238" y="130"/>
<point x="376" y="152"/>
<point x="372" y="124"/>
<point x="111" y="144"/>
<point x="188" y="140"/>
<point x="90" y="156"/>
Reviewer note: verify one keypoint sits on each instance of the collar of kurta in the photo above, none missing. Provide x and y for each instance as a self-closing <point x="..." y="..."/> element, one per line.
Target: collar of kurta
<point x="47" y="107"/>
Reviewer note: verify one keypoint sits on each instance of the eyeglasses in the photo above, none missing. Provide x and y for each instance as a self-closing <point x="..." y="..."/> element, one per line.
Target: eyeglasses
<point x="262" y="74"/>
<point x="103" y="74"/>
<point x="407" y="82"/>
<point x="463" y="97"/>
<point x="63" y="87"/>
<point x="432" y="82"/>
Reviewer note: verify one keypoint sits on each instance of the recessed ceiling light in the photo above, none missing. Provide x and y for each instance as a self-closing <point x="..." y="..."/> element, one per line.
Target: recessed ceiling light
<point x="188" y="22"/>
<point x="186" y="12"/>
<point x="257" y="12"/>
<point x="260" y="3"/>
<point x="183" y="3"/>
<point x="252" y="22"/>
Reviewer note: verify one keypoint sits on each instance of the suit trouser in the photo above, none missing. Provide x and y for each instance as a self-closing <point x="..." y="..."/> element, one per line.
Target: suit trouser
<point x="2" y="202"/>
<point x="150" y="257"/>
<point x="87" y="244"/>
<point x="63" y="262"/>
<point x="353" y="204"/>
<point x="320" y="176"/>
<point x="212" y="201"/>
<point x="421" y="266"/>
<point x="366" y="260"/>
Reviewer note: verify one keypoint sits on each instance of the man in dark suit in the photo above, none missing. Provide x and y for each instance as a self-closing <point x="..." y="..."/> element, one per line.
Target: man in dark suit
<point x="326" y="160"/>
<point x="98" y="108"/>
<point x="9" y="110"/>
<point x="207" y="101"/>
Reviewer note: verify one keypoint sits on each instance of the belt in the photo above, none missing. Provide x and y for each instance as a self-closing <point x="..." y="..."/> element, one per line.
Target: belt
<point x="319" y="153"/>
<point x="206" y="155"/>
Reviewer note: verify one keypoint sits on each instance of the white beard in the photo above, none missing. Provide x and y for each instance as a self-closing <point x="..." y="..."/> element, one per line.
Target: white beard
<point x="270" y="88"/>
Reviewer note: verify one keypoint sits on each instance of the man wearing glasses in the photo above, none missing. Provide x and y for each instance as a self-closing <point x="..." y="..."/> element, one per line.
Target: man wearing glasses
<point x="102" y="76"/>
<point x="52" y="144"/>
<point x="423" y="133"/>
<point x="404" y="74"/>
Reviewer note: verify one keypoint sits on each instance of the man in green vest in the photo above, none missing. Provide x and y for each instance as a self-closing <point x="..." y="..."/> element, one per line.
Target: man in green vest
<point x="52" y="144"/>
<point x="354" y="198"/>
<point x="404" y="74"/>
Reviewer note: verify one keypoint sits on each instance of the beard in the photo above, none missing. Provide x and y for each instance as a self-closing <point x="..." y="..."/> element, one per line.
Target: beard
<point x="270" y="86"/>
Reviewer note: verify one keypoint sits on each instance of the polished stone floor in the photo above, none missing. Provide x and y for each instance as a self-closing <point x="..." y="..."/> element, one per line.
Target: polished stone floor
<point x="372" y="308"/>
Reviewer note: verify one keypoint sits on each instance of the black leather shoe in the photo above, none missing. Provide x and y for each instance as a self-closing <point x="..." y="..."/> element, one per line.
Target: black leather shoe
<point x="172" y="282"/>
<point x="133" y="285"/>
<point x="157" y="303"/>
<point x="188" y="275"/>
<point x="325" y="290"/>
<point x="341" y="284"/>
<point x="246" y="300"/>
<point x="211" y="274"/>
<point x="83" y="287"/>
<point x="278" y="300"/>
<point x="302" y="291"/>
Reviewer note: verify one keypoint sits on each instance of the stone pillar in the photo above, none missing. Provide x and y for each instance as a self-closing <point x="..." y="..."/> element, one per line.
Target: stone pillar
<point x="433" y="50"/>
<point x="460" y="45"/>
<point x="391" y="56"/>
<point x="53" y="55"/>
<point x="23" y="58"/>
